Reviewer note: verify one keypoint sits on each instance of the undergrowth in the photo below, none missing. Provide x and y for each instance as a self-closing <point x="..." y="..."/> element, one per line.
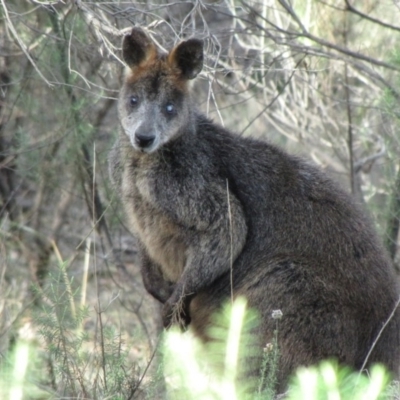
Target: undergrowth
<point x="95" y="364"/>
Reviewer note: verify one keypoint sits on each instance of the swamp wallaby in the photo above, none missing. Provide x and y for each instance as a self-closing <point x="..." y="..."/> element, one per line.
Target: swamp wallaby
<point x="217" y="215"/>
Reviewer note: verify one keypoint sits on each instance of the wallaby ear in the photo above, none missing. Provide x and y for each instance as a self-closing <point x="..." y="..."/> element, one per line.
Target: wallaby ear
<point x="188" y="58"/>
<point x="137" y="48"/>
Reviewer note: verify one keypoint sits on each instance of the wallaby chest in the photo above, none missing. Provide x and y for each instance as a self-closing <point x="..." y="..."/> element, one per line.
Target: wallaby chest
<point x="160" y="235"/>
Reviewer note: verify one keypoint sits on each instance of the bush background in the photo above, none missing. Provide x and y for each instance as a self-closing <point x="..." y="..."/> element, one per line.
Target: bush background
<point x="319" y="78"/>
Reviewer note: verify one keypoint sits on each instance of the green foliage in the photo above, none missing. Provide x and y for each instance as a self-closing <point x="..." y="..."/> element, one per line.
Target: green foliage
<point x="76" y="368"/>
<point x="269" y="368"/>
<point x="18" y="373"/>
<point x="211" y="371"/>
<point x="192" y="370"/>
<point x="328" y="381"/>
<point x="217" y="369"/>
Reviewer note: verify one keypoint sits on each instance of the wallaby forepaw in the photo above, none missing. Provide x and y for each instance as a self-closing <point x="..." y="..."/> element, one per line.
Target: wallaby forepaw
<point x="175" y="314"/>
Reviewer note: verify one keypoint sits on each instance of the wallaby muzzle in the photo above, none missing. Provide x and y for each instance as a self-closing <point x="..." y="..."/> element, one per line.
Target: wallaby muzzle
<point x="144" y="141"/>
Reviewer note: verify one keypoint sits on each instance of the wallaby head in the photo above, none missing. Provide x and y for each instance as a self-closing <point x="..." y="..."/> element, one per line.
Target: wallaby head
<point x="154" y="104"/>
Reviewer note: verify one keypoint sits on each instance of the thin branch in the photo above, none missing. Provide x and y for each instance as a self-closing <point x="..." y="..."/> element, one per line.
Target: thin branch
<point x="350" y="53"/>
<point x="21" y="43"/>
<point x="359" y="164"/>
<point x="230" y="238"/>
<point x="274" y="98"/>
<point x="349" y="114"/>
<point x="291" y="12"/>
<point x="393" y="223"/>
<point x="379" y="335"/>
<point x="94" y="21"/>
<point x="352" y="9"/>
<point x="309" y="50"/>
<point x="305" y="34"/>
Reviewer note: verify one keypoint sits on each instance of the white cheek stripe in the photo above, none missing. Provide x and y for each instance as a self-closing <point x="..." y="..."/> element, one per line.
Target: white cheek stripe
<point x="131" y="123"/>
<point x="130" y="126"/>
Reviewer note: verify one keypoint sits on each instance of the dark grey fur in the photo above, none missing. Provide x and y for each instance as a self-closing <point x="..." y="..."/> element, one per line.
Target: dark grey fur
<point x="199" y="198"/>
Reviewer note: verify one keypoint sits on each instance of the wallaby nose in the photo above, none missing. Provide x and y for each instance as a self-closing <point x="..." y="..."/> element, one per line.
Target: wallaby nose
<point x="144" y="141"/>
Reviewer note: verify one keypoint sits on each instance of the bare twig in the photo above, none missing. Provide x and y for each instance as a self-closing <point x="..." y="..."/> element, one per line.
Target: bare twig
<point x="230" y="237"/>
<point x="21" y="43"/>
<point x="351" y="8"/>
<point x="379" y="336"/>
<point x="350" y="133"/>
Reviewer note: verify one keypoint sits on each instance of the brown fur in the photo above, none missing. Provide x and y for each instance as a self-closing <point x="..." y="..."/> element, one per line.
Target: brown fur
<point x="207" y="206"/>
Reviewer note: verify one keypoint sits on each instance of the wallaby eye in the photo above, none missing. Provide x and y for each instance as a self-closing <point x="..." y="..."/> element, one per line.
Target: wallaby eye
<point x="133" y="101"/>
<point x="170" y="109"/>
